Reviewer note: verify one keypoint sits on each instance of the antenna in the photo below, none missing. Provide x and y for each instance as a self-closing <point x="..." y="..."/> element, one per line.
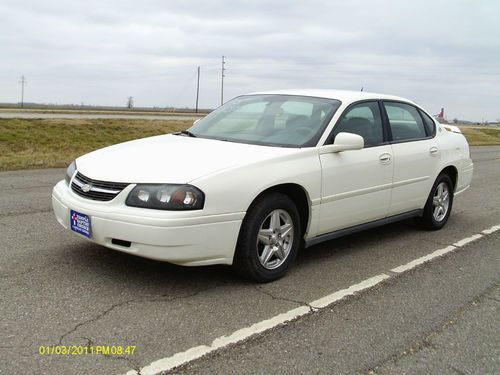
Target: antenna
<point x="22" y="82"/>
<point x="223" y="69"/>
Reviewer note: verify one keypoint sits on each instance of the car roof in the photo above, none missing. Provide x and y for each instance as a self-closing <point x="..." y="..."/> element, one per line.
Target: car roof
<point x="342" y="95"/>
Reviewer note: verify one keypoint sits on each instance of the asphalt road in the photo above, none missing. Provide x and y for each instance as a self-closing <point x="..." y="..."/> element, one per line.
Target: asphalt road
<point x="441" y="317"/>
<point x="42" y="115"/>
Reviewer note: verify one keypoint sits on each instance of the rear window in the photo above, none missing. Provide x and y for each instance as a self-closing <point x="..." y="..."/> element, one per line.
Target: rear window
<point x="405" y="122"/>
<point x="430" y="125"/>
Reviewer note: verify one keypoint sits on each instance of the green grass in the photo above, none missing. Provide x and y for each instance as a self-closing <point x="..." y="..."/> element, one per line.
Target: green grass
<point x="481" y="136"/>
<point x="43" y="143"/>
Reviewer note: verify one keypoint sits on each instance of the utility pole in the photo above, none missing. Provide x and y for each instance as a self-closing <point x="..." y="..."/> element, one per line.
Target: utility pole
<point x="198" y="90"/>
<point x="222" y="81"/>
<point x="22" y="82"/>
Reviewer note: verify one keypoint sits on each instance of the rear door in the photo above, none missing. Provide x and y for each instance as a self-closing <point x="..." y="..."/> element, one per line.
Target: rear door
<point x="416" y="156"/>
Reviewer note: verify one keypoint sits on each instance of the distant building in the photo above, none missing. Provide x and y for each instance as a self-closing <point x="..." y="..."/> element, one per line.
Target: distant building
<point x="440" y="116"/>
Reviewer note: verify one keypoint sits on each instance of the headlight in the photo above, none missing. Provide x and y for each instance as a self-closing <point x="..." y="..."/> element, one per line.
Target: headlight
<point x="166" y="197"/>
<point x="70" y="171"/>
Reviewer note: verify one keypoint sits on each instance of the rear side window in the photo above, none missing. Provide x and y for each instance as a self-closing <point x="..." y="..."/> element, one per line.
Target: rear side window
<point x="430" y="125"/>
<point x="405" y="122"/>
<point x="362" y="119"/>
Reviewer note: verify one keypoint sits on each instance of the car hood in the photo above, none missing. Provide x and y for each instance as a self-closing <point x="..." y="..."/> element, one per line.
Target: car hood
<point x="171" y="159"/>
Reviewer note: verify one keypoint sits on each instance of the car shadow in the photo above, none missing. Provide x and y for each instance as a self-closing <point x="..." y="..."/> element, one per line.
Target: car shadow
<point x="99" y="261"/>
<point x="125" y="269"/>
<point x="357" y="242"/>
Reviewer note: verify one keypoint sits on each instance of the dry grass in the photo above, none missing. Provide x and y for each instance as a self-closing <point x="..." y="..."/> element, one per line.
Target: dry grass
<point x="481" y="136"/>
<point x="43" y="143"/>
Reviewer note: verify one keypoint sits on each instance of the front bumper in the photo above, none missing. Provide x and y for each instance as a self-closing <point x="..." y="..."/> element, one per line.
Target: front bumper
<point x="180" y="237"/>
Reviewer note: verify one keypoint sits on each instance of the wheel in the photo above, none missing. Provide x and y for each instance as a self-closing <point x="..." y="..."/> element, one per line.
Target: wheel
<point x="269" y="239"/>
<point x="438" y="206"/>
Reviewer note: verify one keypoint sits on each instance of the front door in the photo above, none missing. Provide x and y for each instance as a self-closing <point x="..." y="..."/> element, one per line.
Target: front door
<point x="356" y="185"/>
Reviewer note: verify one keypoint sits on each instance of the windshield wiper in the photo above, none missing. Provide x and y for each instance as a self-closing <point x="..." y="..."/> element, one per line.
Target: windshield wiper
<point x="188" y="133"/>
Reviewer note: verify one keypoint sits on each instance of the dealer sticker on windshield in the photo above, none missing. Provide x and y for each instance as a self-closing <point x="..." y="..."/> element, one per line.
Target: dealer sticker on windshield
<point x="80" y="223"/>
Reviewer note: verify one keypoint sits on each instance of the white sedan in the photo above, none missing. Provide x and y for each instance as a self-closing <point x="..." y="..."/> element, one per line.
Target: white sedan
<point x="265" y="174"/>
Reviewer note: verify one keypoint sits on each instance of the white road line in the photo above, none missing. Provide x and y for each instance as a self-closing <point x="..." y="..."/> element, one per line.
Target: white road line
<point x="467" y="240"/>
<point x="491" y="230"/>
<point x="334" y="297"/>
<point x="178" y="359"/>
<point x="197" y="352"/>
<point x="416" y="262"/>
<point x="189" y="355"/>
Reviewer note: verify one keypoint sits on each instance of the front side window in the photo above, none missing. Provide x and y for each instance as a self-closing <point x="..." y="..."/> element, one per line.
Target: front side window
<point x="277" y="120"/>
<point x="405" y="122"/>
<point x="362" y="119"/>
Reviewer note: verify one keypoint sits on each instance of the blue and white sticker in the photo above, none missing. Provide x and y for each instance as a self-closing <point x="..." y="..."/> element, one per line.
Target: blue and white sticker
<point x="80" y="223"/>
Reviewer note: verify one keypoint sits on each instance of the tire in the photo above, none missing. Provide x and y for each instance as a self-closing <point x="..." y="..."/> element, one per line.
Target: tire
<point x="269" y="239"/>
<point x="439" y="203"/>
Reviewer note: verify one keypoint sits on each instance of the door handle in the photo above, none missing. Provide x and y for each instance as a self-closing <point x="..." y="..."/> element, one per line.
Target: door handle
<point x="385" y="158"/>
<point x="434" y="150"/>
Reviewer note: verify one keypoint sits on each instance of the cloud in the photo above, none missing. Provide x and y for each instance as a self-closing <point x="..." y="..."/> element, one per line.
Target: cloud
<point x="439" y="53"/>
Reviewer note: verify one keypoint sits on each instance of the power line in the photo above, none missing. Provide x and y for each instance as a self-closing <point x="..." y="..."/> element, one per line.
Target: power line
<point x="177" y="95"/>
<point x="197" y="89"/>
<point x="22" y="82"/>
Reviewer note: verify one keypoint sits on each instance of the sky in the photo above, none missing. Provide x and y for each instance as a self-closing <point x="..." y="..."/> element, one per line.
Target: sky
<point x="435" y="52"/>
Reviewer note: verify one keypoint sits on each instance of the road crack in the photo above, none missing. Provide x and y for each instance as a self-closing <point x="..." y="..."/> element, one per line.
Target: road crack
<point x="17" y="274"/>
<point x="278" y="298"/>
<point x="437" y="242"/>
<point x="459" y="372"/>
<point x="162" y="298"/>
<point x="131" y="363"/>
<point x="426" y="342"/>
<point x="11" y="214"/>
<point x="16" y="188"/>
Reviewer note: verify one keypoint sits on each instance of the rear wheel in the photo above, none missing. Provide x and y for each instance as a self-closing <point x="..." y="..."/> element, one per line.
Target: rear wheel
<point x="438" y="207"/>
<point x="269" y="239"/>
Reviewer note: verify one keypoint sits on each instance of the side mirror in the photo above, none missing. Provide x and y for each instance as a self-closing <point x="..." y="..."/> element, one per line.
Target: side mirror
<point x="343" y="142"/>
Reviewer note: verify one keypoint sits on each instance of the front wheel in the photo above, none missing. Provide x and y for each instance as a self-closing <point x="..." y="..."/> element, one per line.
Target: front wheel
<point x="438" y="207"/>
<point x="269" y="239"/>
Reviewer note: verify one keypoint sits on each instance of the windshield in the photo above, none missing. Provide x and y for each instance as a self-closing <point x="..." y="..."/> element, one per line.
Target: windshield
<point x="278" y="120"/>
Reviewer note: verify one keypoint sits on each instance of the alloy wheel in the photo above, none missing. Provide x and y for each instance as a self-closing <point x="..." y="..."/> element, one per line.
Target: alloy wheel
<point x="275" y="239"/>
<point x="440" y="202"/>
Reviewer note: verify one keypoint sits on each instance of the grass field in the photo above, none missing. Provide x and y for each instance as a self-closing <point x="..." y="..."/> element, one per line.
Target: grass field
<point x="481" y="136"/>
<point x="43" y="143"/>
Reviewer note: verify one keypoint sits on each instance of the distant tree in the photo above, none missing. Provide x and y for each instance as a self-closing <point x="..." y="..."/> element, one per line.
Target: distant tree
<point x="130" y="102"/>
<point x="455" y="120"/>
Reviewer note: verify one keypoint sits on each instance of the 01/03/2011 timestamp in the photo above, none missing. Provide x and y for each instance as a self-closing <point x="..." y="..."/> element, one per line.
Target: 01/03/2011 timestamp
<point x="86" y="349"/>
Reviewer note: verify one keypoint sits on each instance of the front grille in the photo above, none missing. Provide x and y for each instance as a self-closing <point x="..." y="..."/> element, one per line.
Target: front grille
<point x="97" y="190"/>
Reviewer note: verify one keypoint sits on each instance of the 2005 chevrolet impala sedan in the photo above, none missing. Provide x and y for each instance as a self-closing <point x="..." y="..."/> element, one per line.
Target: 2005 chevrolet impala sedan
<point x="265" y="174"/>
